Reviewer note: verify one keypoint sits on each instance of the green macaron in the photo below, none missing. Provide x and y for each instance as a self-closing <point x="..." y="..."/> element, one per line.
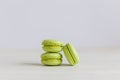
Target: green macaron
<point x="71" y="54"/>
<point x="51" y="59"/>
<point x="52" y="45"/>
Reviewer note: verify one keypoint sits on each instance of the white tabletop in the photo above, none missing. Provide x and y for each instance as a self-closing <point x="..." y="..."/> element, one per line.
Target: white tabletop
<point x="95" y="64"/>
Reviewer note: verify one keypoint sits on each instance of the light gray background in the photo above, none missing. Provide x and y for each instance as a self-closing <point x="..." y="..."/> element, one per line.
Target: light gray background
<point x="92" y="26"/>
<point x="85" y="23"/>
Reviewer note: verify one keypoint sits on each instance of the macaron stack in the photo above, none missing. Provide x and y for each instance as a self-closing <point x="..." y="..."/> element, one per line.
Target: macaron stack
<point x="52" y="55"/>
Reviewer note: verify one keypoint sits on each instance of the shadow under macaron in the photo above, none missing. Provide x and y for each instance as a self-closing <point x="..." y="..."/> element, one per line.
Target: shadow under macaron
<point x="39" y="64"/>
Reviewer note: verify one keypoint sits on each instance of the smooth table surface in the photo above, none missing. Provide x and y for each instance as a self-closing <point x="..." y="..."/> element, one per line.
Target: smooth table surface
<point x="95" y="64"/>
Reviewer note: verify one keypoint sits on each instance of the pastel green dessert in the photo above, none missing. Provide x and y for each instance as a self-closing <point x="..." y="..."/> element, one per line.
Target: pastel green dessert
<point x="71" y="54"/>
<point x="51" y="59"/>
<point x="52" y="45"/>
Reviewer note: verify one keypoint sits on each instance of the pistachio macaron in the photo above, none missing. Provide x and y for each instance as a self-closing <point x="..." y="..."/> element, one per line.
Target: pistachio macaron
<point x="50" y="45"/>
<point x="51" y="59"/>
<point x="71" y="54"/>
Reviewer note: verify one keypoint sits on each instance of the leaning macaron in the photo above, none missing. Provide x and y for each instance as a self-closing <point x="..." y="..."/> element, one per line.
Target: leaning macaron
<point x="71" y="54"/>
<point x="51" y="59"/>
<point x="52" y="45"/>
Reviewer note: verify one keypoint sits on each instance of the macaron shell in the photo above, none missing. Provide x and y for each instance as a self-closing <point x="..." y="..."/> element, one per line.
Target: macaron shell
<point x="52" y="62"/>
<point x="52" y="42"/>
<point x="71" y="54"/>
<point x="52" y="48"/>
<point x="51" y="56"/>
<point x="68" y="55"/>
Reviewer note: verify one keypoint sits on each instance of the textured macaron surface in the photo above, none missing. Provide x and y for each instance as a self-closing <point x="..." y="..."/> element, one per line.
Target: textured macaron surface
<point x="51" y="56"/>
<point x="52" y="62"/>
<point x="68" y="56"/>
<point x="52" y="42"/>
<point x="71" y="54"/>
<point x="52" y="48"/>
